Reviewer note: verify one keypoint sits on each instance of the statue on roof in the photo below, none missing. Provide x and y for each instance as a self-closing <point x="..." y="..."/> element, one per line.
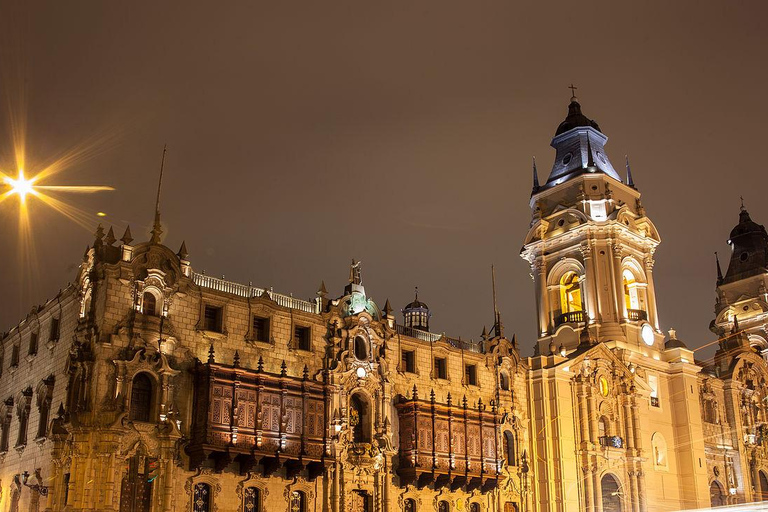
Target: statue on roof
<point x="355" y="273"/>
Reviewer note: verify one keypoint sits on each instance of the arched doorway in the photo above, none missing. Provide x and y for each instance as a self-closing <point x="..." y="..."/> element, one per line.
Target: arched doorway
<point x="611" y="494"/>
<point x="716" y="494"/>
<point x="763" y="485"/>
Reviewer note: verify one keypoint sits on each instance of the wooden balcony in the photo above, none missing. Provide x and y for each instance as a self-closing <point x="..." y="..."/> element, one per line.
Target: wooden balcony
<point x="448" y="446"/>
<point x="254" y="417"/>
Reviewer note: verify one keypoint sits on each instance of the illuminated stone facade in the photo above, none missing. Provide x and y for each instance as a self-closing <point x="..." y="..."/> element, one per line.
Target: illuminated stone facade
<point x="147" y="386"/>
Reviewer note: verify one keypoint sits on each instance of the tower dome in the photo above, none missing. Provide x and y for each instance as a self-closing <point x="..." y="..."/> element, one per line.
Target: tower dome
<point x="416" y="314"/>
<point x="749" y="246"/>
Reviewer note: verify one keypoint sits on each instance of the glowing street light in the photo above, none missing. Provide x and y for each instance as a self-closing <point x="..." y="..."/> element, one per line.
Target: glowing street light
<point x="20" y="186"/>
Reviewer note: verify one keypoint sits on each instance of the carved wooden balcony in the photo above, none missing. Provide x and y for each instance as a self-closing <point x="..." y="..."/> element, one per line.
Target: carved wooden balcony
<point x="446" y="445"/>
<point x="252" y="416"/>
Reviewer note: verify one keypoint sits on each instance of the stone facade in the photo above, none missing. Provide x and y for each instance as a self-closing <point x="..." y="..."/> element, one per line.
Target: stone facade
<point x="146" y="386"/>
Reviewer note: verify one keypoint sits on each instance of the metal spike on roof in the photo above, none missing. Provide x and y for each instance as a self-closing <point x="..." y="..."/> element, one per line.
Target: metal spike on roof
<point x="535" y="177"/>
<point x="183" y="253"/>
<point x="127" y="237"/>
<point x="110" y="238"/>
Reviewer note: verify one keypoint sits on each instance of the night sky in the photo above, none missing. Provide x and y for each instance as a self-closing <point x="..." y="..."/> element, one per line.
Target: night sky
<point x="304" y="134"/>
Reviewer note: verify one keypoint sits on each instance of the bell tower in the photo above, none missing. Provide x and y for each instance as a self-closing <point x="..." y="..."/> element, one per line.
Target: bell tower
<point x="590" y="247"/>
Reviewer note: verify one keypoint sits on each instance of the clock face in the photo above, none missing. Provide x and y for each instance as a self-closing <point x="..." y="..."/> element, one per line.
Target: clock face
<point x="647" y="334"/>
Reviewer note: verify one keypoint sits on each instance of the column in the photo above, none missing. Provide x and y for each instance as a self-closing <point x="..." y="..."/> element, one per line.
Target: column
<point x="618" y="281"/>
<point x="591" y="286"/>
<point x="589" y="491"/>
<point x="653" y="315"/>
<point x="539" y="272"/>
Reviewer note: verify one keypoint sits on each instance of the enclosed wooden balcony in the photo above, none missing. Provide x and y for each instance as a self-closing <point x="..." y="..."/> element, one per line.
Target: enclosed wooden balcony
<point x="446" y="445"/>
<point x="255" y="417"/>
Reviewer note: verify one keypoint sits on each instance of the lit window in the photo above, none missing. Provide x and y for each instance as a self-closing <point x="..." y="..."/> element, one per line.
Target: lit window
<point x="653" y="383"/>
<point x="570" y="293"/>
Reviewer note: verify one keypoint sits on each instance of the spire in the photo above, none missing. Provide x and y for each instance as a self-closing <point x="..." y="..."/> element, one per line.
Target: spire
<point x="183" y="253"/>
<point x="322" y="292"/>
<point x="157" y="230"/>
<point x="387" y="308"/>
<point x="719" y="272"/>
<point x="498" y="328"/>
<point x="127" y="237"/>
<point x="416" y="293"/>
<point x="535" y="177"/>
<point x="630" y="181"/>
<point x="98" y="235"/>
<point x="573" y="88"/>
<point x="110" y="238"/>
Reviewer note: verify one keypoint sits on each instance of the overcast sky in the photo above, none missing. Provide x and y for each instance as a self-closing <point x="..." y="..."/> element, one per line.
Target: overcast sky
<point x="304" y="134"/>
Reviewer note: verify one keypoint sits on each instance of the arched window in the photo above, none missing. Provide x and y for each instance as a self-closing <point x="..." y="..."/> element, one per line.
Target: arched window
<point x="6" y="414"/>
<point x="474" y="507"/>
<point x="252" y="499"/>
<point x="201" y="500"/>
<point x="141" y="398"/>
<point x="409" y="505"/>
<point x="443" y="506"/>
<point x="509" y="448"/>
<point x="611" y="494"/>
<point x="44" y="396"/>
<point x="504" y="381"/>
<point x="149" y="304"/>
<point x="361" y="348"/>
<point x="298" y="502"/>
<point x="602" y="427"/>
<point x="659" y="451"/>
<point x="763" y="486"/>
<point x="359" y="419"/>
<point x="570" y="293"/>
<point x="22" y="412"/>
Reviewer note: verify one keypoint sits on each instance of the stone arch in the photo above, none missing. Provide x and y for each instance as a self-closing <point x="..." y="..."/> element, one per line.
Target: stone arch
<point x="360" y="416"/>
<point x="762" y="478"/>
<point x="143" y="397"/>
<point x="151" y="301"/>
<point x="562" y="267"/>
<point x="611" y="494"/>
<point x="717" y="496"/>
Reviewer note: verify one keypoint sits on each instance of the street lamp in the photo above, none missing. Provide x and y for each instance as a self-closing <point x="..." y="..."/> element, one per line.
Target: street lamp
<point x="42" y="490"/>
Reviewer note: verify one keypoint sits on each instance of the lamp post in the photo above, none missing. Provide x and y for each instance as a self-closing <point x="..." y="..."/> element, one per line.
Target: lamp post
<point x="42" y="490"/>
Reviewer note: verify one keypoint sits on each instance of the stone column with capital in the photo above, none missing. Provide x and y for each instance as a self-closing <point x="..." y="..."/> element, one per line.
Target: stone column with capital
<point x="653" y="315"/>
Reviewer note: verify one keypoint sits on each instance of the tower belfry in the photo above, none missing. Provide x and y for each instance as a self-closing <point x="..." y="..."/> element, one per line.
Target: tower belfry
<point x="591" y="246"/>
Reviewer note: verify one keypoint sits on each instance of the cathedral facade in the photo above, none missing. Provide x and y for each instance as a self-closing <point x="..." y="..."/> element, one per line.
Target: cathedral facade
<point x="148" y="386"/>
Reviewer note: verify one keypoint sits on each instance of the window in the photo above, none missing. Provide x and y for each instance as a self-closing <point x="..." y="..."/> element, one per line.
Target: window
<point x="653" y="382"/>
<point x="441" y="368"/>
<point x="443" y="506"/>
<point x="15" y="356"/>
<point x="630" y="290"/>
<point x="5" y="424"/>
<point x="212" y="320"/>
<point x="359" y="419"/>
<point x="570" y="293"/>
<point x="149" y="304"/>
<point x="22" y="412"/>
<point x="260" y="333"/>
<point x="201" y="500"/>
<point x="509" y="448"/>
<point x="409" y="361"/>
<point x="470" y="375"/>
<point x="474" y="507"/>
<point x="409" y="505"/>
<point x="65" y="484"/>
<point x="44" y="398"/>
<point x="54" y="329"/>
<point x="504" y="381"/>
<point x="301" y="335"/>
<point x="141" y="398"/>
<point x="602" y="427"/>
<point x="659" y="451"/>
<point x="252" y="499"/>
<point x="298" y="502"/>
<point x="32" y="344"/>
<point x="361" y="348"/>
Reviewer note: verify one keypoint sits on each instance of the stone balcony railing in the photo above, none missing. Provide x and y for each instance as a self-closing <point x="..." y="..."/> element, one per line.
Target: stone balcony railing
<point x="431" y="337"/>
<point x="571" y="317"/>
<point x="636" y="315"/>
<point x="248" y="292"/>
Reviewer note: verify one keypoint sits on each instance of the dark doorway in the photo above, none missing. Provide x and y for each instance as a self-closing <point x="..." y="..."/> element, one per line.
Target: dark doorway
<point x="611" y="494"/>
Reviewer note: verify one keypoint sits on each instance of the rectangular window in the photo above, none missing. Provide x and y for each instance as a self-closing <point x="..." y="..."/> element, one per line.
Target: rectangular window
<point x="441" y="368"/>
<point x="32" y="344"/>
<point x="653" y="382"/>
<point x="15" y="356"/>
<point x="212" y="320"/>
<point x="301" y="335"/>
<point x="409" y="361"/>
<point x="54" y="329"/>
<point x="261" y="328"/>
<point x="66" y="489"/>
<point x="470" y="374"/>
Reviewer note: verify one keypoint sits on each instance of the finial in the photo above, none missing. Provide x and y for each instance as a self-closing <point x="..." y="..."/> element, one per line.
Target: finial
<point x="743" y="209"/>
<point x="322" y="292"/>
<point x="236" y="360"/>
<point x="630" y="181"/>
<point x="735" y="324"/>
<point x="110" y="238"/>
<point x="449" y="399"/>
<point x="260" y="365"/>
<point x="484" y="334"/>
<point x="416" y="291"/>
<point x="535" y="177"/>
<point x="99" y="234"/>
<point x="61" y="412"/>
<point x="283" y="369"/>
<point x="305" y="375"/>
<point x="127" y="238"/>
<point x="719" y="272"/>
<point x="183" y="253"/>
<point x="415" y="393"/>
<point x="157" y="230"/>
<point x="464" y="401"/>
<point x="432" y="395"/>
<point x="573" y="93"/>
<point x="211" y="355"/>
<point x="590" y="159"/>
